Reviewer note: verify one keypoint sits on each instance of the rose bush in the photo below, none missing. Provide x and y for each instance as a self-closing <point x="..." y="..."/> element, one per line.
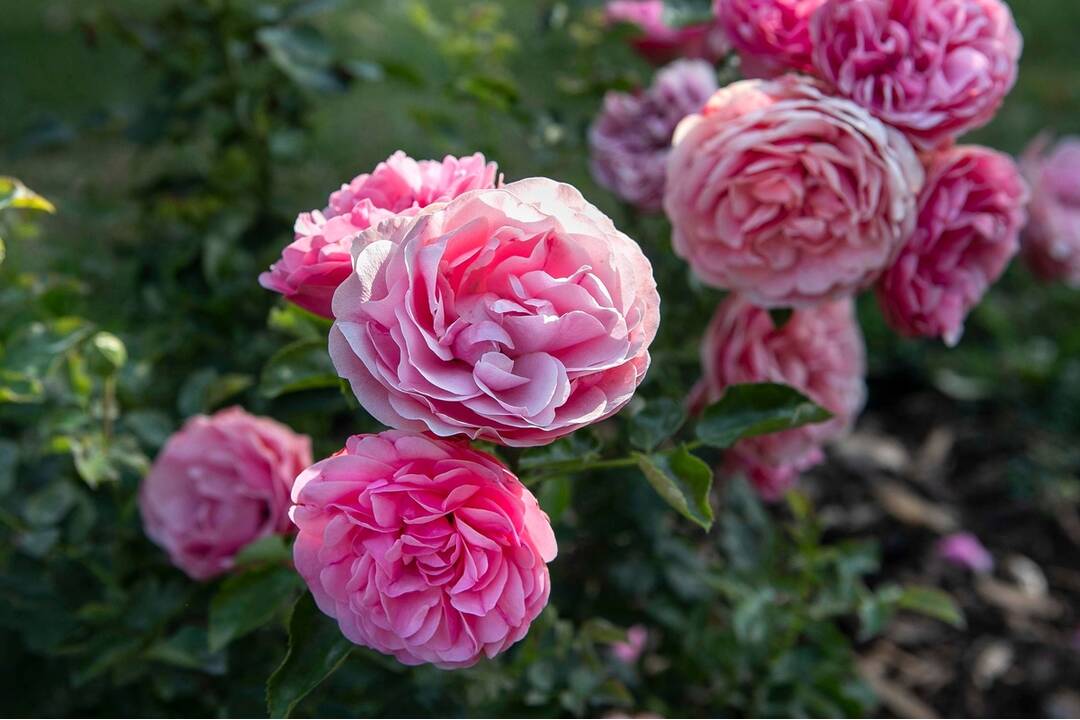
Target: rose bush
<point x="660" y="42"/>
<point x="515" y="315"/>
<point x="970" y="215"/>
<point x="788" y="195"/>
<point x="220" y="483"/>
<point x="318" y="259"/>
<point x="421" y="548"/>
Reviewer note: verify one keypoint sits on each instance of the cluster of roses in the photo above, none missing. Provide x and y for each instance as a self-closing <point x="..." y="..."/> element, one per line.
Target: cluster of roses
<point x="834" y="170"/>
<point x="512" y="313"/>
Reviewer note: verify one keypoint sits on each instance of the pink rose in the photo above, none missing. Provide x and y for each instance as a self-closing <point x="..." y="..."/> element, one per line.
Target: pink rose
<point x="965" y="550"/>
<point x="628" y="651"/>
<point x="818" y="351"/>
<point x="788" y="195"/>
<point x="933" y="68"/>
<point x="514" y="315"/>
<point x="658" y="42"/>
<point x="631" y="138"/>
<point x="771" y="36"/>
<point x="318" y="260"/>
<point x="220" y="483"/>
<point x="1052" y="239"/>
<point x="422" y="548"/>
<point x="970" y="214"/>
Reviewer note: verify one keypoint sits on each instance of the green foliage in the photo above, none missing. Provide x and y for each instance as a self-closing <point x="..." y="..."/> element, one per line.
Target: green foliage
<point x="756" y="409"/>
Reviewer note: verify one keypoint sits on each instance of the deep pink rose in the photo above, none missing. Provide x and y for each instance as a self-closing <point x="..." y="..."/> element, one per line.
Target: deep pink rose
<point x="788" y="195"/>
<point x="659" y="42"/>
<point x="515" y="315"/>
<point x="218" y="484"/>
<point x="422" y="548"/>
<point x="1052" y="239"/>
<point x="965" y="550"/>
<point x="818" y="351"/>
<point x="970" y="215"/>
<point x="933" y="68"/>
<point x="771" y="36"/>
<point x="630" y="140"/>
<point x="315" y="263"/>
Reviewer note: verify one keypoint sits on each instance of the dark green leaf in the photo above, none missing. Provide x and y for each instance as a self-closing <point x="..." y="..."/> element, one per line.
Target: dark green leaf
<point x="682" y="480"/>
<point x="756" y="409"/>
<point x="579" y="448"/>
<point x="270" y="549"/>
<point x="932" y="602"/>
<point x="9" y="459"/>
<point x="188" y="649"/>
<point x="206" y="390"/>
<point x="658" y="421"/>
<point x="248" y="600"/>
<point x="316" y="649"/>
<point x="302" y="53"/>
<point x="303" y="365"/>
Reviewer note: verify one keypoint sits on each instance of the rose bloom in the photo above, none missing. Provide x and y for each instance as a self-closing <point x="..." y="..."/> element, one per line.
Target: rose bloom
<point x="1052" y="238"/>
<point x="220" y="483"/>
<point x="933" y="68"/>
<point x="771" y="36"/>
<point x="630" y="140"/>
<point x="315" y="263"/>
<point x="970" y="215"/>
<point x="658" y="42"/>
<point x="818" y="351"/>
<point x="787" y="195"/>
<point x="629" y="650"/>
<point x="514" y="315"/>
<point x="422" y="548"/>
<point x="965" y="549"/>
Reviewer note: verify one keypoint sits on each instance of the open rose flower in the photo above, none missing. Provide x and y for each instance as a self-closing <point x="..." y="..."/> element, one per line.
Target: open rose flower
<point x="970" y="215"/>
<point x="659" y="42"/>
<point x="515" y="315"/>
<point x="787" y="195"/>
<point x="630" y="140"/>
<point x="220" y="483"/>
<point x="1052" y="239"/>
<point x="318" y="259"/>
<point x="818" y="351"/>
<point x="933" y="68"/>
<point x="771" y="36"/>
<point x="422" y="548"/>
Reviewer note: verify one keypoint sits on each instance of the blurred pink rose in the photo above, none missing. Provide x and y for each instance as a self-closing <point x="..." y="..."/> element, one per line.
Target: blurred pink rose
<point x="932" y="68"/>
<point x="218" y="484"/>
<point x="515" y="315"/>
<point x="771" y="36"/>
<point x="788" y="195"/>
<point x="422" y="548"/>
<point x="1052" y="239"/>
<point x="630" y="140"/>
<point x="629" y="650"/>
<point x="970" y="215"/>
<point x="965" y="550"/>
<point x="316" y="262"/>
<point x="659" y="42"/>
<point x="818" y="351"/>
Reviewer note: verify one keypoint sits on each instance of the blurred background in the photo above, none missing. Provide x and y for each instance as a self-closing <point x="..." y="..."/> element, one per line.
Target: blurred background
<point x="178" y="141"/>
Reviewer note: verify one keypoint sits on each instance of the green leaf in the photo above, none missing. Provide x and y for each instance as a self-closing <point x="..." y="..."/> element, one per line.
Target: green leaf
<point x="933" y="603"/>
<point x="188" y="649"/>
<point x="316" y="649"/>
<point x="682" y="480"/>
<point x="658" y="421"/>
<point x="9" y="459"/>
<point x="270" y="549"/>
<point x="302" y="53"/>
<point x="206" y="390"/>
<point x="247" y="601"/>
<point x="303" y="365"/>
<point x="756" y="409"/>
<point x="299" y="323"/>
<point x="554" y="496"/>
<point x="577" y="449"/>
<point x="14" y="194"/>
<point x="16" y="387"/>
